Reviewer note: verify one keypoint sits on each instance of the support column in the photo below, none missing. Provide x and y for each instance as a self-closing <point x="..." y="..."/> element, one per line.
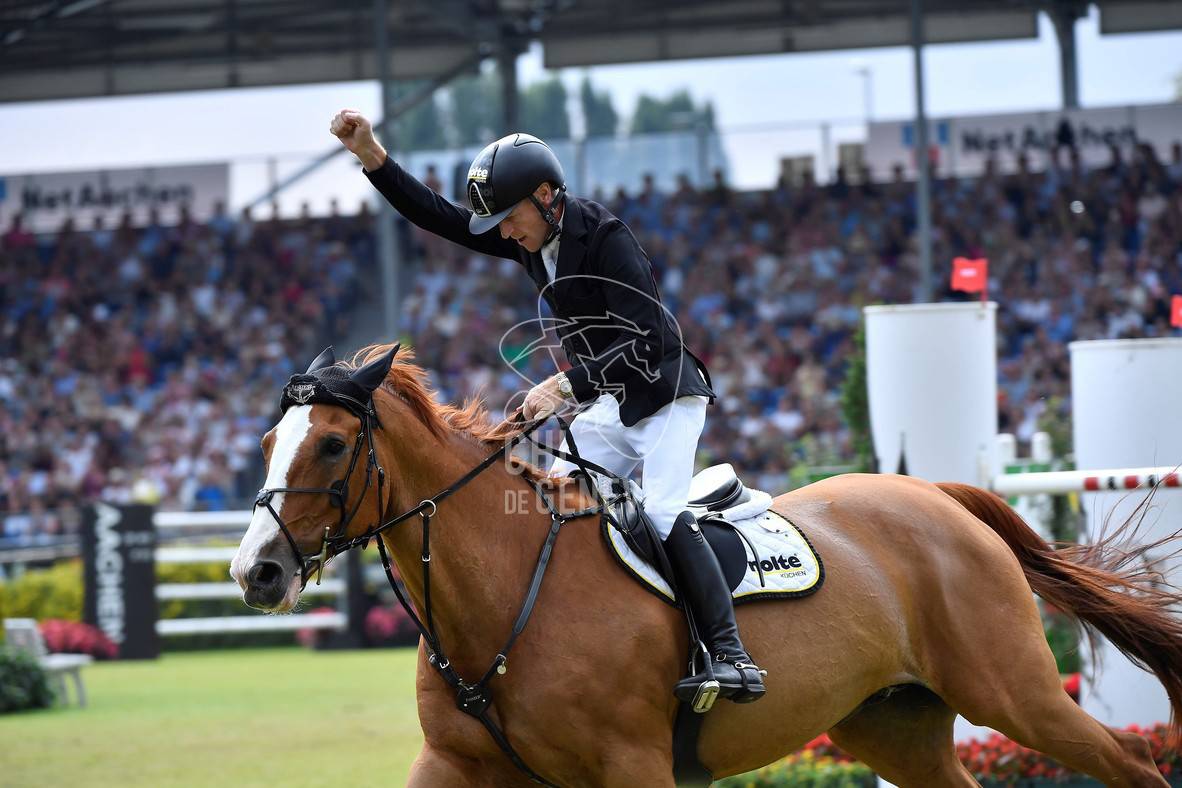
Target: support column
<point x="923" y="181"/>
<point x="827" y="169"/>
<point x="388" y="250"/>
<point x="1064" y="15"/>
<point x="507" y="69"/>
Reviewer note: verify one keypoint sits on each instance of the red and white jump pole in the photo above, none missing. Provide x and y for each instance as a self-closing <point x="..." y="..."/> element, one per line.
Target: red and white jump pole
<point x="1063" y="482"/>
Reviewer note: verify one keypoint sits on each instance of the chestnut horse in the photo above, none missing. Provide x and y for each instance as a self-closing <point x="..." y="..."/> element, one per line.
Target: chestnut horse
<point x="926" y="612"/>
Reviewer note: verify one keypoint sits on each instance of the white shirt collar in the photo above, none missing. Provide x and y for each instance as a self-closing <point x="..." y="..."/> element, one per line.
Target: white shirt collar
<point x="550" y="250"/>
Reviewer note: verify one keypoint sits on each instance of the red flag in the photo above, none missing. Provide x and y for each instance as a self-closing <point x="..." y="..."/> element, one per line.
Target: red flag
<point x="971" y="276"/>
<point x="1176" y="312"/>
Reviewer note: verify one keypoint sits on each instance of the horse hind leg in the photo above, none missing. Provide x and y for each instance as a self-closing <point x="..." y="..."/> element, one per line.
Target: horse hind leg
<point x="906" y="738"/>
<point x="1017" y="691"/>
<point x="1052" y="723"/>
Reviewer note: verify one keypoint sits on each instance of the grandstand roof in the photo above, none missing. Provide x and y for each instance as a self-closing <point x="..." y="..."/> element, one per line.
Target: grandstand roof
<point x="52" y="49"/>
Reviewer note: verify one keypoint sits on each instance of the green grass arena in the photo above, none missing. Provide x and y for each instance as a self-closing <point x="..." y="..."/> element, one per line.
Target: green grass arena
<point x="257" y="717"/>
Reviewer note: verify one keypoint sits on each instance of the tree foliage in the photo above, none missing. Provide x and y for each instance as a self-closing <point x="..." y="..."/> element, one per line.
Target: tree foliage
<point x="543" y="110"/>
<point x="476" y="108"/>
<point x="598" y="111"/>
<point x="477" y="112"/>
<point x="855" y="404"/>
<point x="421" y="128"/>
<point x="675" y="113"/>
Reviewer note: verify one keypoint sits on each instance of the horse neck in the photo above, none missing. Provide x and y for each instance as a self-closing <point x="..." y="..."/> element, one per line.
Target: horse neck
<point x="483" y="546"/>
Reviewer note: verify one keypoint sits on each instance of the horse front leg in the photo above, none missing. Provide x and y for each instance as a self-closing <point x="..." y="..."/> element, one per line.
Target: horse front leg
<point x="628" y="767"/>
<point x="434" y="768"/>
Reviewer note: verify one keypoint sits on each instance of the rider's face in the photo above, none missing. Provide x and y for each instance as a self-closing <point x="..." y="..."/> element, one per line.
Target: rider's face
<point x="525" y="223"/>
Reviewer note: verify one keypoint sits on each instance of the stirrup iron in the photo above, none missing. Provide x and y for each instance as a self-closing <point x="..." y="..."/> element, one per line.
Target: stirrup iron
<point x="705" y="696"/>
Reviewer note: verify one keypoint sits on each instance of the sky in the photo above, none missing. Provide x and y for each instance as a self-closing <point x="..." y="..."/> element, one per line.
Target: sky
<point x="766" y="105"/>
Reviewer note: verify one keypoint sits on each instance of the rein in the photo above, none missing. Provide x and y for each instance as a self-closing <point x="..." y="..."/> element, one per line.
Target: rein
<point x="472" y="698"/>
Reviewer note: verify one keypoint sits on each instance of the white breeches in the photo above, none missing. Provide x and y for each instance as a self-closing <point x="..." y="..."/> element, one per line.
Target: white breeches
<point x="663" y="444"/>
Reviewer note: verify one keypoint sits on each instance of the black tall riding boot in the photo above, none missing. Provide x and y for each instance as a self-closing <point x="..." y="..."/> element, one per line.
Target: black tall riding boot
<point x="701" y="585"/>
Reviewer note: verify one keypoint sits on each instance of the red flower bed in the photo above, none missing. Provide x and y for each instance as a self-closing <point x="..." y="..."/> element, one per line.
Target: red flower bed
<point x="392" y="625"/>
<point x="823" y="747"/>
<point x="998" y="759"/>
<point x="75" y="637"/>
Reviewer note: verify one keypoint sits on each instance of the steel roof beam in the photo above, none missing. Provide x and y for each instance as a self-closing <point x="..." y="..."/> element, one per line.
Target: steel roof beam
<point x="62" y="9"/>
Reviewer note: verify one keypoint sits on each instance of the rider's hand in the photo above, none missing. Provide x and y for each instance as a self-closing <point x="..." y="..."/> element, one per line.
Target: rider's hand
<point x="543" y="399"/>
<point x="356" y="133"/>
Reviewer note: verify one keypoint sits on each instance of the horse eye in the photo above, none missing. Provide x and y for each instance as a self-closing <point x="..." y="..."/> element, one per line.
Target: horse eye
<point x="334" y="447"/>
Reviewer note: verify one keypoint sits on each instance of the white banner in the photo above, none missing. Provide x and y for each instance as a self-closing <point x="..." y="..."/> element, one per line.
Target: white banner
<point x="44" y="201"/>
<point x="961" y="146"/>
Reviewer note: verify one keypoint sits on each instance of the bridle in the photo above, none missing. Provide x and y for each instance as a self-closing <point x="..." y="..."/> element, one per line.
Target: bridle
<point x="334" y="543"/>
<point x="472" y="698"/>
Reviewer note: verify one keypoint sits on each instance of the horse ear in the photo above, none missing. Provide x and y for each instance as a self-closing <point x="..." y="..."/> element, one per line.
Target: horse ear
<point x="372" y="374"/>
<point x="325" y="359"/>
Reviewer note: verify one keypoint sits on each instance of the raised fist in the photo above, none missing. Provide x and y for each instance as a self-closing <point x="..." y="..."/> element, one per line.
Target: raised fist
<point x="353" y="130"/>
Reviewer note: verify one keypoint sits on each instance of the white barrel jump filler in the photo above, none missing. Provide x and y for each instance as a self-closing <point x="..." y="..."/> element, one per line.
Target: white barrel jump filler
<point x="1125" y="396"/>
<point x="931" y="373"/>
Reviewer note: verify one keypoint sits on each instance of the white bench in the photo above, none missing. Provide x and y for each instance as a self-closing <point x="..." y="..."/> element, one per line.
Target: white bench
<point x="23" y="634"/>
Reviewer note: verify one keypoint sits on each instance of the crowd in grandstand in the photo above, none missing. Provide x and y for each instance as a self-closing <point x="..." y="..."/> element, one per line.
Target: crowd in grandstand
<point x="143" y="363"/>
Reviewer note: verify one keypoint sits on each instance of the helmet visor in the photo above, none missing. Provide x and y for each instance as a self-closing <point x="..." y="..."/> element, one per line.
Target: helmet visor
<point x="485" y="215"/>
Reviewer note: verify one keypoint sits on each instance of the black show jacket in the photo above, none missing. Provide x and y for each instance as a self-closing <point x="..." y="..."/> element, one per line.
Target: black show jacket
<point x="617" y="335"/>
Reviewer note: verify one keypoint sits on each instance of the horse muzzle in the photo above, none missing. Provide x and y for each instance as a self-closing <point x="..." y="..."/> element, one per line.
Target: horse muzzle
<point x="269" y="585"/>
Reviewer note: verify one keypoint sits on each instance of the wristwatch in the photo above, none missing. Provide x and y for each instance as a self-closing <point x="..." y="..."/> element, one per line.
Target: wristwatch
<point x="564" y="386"/>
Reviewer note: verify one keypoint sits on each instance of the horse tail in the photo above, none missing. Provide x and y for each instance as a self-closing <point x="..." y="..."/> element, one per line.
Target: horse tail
<point x="1094" y="583"/>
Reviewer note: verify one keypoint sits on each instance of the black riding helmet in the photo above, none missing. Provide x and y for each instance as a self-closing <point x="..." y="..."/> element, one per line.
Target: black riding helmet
<point x="507" y="172"/>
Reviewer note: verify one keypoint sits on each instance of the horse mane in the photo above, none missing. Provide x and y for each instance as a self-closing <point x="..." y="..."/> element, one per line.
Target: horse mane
<point x="408" y="382"/>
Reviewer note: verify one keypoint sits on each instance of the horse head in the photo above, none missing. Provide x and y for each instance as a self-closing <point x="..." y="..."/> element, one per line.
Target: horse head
<point x="323" y="485"/>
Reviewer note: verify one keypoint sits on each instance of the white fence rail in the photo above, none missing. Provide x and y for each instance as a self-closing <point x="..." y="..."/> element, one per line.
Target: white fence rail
<point x="187" y="520"/>
<point x="232" y="591"/>
<point x="204" y="626"/>
<point x="174" y="522"/>
<point x="194" y="555"/>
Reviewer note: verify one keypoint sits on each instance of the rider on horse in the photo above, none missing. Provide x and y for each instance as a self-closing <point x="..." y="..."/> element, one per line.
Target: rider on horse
<point x="646" y="392"/>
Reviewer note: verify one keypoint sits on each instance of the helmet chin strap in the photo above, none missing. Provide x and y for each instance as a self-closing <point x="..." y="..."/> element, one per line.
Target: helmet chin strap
<point x="548" y="213"/>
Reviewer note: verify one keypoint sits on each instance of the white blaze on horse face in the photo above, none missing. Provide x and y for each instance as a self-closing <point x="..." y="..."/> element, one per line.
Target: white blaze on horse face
<point x="290" y="433"/>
